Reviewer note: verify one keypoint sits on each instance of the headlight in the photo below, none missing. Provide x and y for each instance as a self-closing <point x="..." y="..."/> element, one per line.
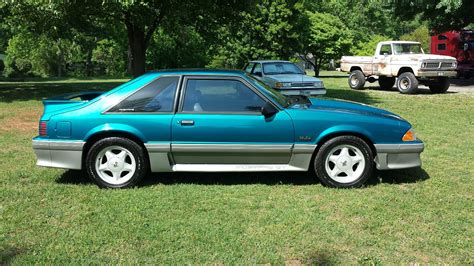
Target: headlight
<point x="283" y="84"/>
<point x="423" y="65"/>
<point x="319" y="84"/>
<point x="409" y="135"/>
<point x="455" y="64"/>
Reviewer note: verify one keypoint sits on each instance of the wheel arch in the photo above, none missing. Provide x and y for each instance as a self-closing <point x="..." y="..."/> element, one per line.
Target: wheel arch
<point x="404" y="70"/>
<point x="101" y="133"/>
<point x="353" y="68"/>
<point x="345" y="131"/>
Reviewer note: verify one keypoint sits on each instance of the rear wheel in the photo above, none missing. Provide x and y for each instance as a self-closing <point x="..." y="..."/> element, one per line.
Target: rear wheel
<point x="356" y="80"/>
<point x="344" y="162"/>
<point x="116" y="163"/>
<point x="386" y="83"/>
<point x="407" y="83"/>
<point x="439" y="86"/>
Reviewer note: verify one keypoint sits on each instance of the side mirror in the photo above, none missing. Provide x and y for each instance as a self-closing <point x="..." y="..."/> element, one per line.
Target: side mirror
<point x="258" y="74"/>
<point x="268" y="110"/>
<point x="466" y="47"/>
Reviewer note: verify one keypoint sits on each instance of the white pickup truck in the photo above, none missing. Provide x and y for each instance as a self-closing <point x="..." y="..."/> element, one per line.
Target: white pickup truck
<point x="403" y="62"/>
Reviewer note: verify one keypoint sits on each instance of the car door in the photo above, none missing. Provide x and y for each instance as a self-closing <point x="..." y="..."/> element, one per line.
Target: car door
<point x="381" y="62"/>
<point x="257" y="71"/>
<point x="219" y="121"/>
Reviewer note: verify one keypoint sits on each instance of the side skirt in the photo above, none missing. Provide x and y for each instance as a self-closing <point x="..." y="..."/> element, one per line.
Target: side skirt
<point x="162" y="161"/>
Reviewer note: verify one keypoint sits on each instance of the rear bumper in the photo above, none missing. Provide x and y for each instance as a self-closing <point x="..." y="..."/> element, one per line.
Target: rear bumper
<point x="398" y="156"/>
<point x="58" y="154"/>
<point x="436" y="73"/>
<point x="306" y="91"/>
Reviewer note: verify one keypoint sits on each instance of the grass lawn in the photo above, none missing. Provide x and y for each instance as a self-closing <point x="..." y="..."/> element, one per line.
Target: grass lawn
<point x="418" y="215"/>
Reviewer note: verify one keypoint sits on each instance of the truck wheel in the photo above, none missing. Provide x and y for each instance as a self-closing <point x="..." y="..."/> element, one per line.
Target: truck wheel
<point x="407" y="83"/>
<point x="356" y="80"/>
<point x="386" y="83"/>
<point x="439" y="86"/>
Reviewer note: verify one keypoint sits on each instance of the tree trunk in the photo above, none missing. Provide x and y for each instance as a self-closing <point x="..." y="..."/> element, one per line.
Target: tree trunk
<point x="137" y="46"/>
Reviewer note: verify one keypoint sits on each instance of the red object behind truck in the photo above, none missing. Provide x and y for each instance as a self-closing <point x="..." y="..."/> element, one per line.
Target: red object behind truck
<point x="458" y="44"/>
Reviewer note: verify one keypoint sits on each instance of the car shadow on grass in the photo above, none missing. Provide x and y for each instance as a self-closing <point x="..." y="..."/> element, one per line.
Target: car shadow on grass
<point x="263" y="178"/>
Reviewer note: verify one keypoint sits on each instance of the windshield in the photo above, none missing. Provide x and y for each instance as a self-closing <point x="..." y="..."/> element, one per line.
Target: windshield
<point x="281" y="68"/>
<point x="407" y="48"/>
<point x="269" y="91"/>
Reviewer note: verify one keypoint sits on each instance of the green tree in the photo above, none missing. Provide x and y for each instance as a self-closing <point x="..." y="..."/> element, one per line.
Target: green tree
<point x="367" y="48"/>
<point x="266" y="32"/>
<point x="422" y="35"/>
<point x="109" y="55"/>
<point x="441" y="15"/>
<point x="326" y="38"/>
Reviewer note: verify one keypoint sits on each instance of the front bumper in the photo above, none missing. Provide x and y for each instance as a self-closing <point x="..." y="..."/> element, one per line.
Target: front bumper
<point x="436" y="73"/>
<point x="398" y="156"/>
<point x="58" y="153"/>
<point x="304" y="91"/>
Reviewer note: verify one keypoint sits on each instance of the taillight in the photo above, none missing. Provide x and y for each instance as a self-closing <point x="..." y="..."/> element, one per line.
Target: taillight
<point x="42" y="128"/>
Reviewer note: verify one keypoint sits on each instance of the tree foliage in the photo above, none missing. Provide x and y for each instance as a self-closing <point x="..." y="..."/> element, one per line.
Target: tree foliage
<point x="327" y="38"/>
<point x="266" y="32"/>
<point x="422" y="35"/>
<point x="441" y="15"/>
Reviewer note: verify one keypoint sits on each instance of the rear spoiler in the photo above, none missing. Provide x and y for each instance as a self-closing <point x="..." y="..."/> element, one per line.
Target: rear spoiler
<point x="80" y="96"/>
<point x="68" y="100"/>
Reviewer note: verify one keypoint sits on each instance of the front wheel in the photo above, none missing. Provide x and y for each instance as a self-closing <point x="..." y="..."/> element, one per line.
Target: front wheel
<point x="116" y="163"/>
<point x="344" y="162"/>
<point x="440" y="86"/>
<point x="407" y="83"/>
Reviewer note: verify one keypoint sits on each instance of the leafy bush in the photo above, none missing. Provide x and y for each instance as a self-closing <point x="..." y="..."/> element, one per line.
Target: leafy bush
<point x="422" y="35"/>
<point x="111" y="56"/>
<point x="367" y="48"/>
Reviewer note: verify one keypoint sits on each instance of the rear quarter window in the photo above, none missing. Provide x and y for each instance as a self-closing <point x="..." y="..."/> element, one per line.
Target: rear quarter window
<point x="156" y="96"/>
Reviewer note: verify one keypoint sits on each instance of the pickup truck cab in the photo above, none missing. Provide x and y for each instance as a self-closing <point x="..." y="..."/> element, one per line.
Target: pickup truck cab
<point x="403" y="62"/>
<point x="286" y="77"/>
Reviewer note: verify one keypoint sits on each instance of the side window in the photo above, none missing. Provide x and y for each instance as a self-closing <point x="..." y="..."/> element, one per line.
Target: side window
<point x="385" y="49"/>
<point x="441" y="46"/>
<point x="220" y="96"/>
<point x="257" y="70"/>
<point x="442" y="37"/>
<point x="249" y="67"/>
<point x="157" y="96"/>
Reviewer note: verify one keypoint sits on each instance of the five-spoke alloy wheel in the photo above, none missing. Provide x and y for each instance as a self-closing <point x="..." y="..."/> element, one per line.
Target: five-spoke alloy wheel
<point x="116" y="162"/>
<point x="344" y="161"/>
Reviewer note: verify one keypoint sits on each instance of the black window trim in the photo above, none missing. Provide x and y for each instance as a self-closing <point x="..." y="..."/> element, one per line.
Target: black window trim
<point x="215" y="77"/>
<point x="175" y="102"/>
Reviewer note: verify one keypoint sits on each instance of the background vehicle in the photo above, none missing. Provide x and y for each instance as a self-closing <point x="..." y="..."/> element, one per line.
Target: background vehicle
<point x="403" y="62"/>
<point x="286" y="77"/>
<point x="213" y="121"/>
<point x="458" y="44"/>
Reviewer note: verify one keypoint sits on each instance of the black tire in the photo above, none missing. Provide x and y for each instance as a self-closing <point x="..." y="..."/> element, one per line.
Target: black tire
<point x="386" y="83"/>
<point x="439" y="86"/>
<point x="135" y="150"/>
<point x="326" y="150"/>
<point x="356" y="80"/>
<point x="407" y="83"/>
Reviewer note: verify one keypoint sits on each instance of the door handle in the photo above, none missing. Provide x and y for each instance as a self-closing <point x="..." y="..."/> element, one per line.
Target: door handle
<point x="187" y="122"/>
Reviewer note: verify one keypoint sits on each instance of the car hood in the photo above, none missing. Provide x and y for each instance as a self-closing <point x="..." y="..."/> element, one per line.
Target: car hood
<point x="348" y="107"/>
<point x="422" y="57"/>
<point x="293" y="78"/>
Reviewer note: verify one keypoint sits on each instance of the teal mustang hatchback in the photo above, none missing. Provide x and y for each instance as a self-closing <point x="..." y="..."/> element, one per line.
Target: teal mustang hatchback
<point x="218" y="121"/>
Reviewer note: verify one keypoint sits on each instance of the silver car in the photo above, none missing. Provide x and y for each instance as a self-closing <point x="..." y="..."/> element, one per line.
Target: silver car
<point x="286" y="77"/>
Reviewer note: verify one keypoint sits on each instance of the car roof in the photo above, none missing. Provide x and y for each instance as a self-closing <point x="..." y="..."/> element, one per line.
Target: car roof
<point x="390" y="42"/>
<point x="200" y="71"/>
<point x="269" y="61"/>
